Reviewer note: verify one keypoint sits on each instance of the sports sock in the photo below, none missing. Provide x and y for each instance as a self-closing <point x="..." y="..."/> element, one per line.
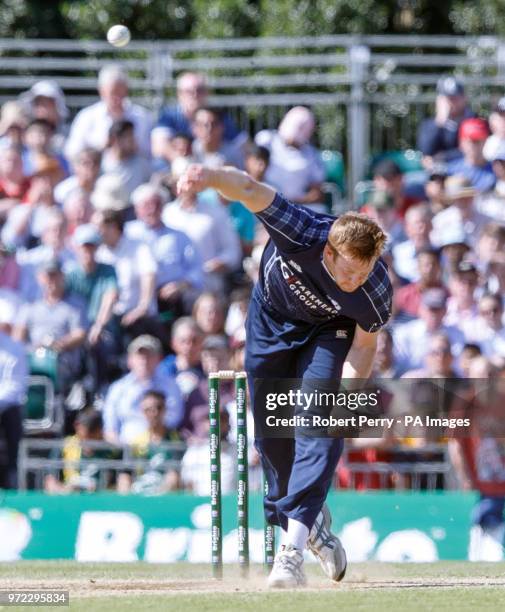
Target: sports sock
<point x="297" y="534"/>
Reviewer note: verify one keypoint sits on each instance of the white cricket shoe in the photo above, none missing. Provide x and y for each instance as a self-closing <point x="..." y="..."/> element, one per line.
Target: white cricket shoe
<point x="287" y="571"/>
<point x="326" y="547"/>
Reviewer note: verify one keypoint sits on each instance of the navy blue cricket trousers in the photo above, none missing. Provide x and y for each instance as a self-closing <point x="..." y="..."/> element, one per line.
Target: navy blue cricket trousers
<point x="298" y="470"/>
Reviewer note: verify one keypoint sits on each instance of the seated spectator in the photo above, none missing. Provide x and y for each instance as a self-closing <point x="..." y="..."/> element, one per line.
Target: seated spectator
<point x="76" y="478"/>
<point x="496" y="141"/>
<point x="380" y="206"/>
<point x="411" y="340"/>
<point x="95" y="284"/>
<point x="209" y="146"/>
<point x="14" y="185"/>
<point x="135" y="268"/>
<point x="461" y="212"/>
<point x="14" y="377"/>
<point x="9" y="269"/>
<point x="418" y="225"/>
<point x="86" y="166"/>
<point x="122" y="158"/>
<point x="54" y="324"/>
<point x="438" y="361"/>
<point x="77" y="210"/>
<point x="387" y="176"/>
<point x="45" y="100"/>
<point x="470" y="352"/>
<point x="435" y="187"/>
<point x="122" y="413"/>
<point x="26" y="221"/>
<point x="439" y="136"/>
<point x="492" y="203"/>
<point x="179" y="269"/>
<point x="209" y="313"/>
<point x="384" y="365"/>
<point x="38" y="140"/>
<point x="407" y="299"/>
<point x="454" y="248"/>
<point x="192" y="93"/>
<point x="209" y="227"/>
<point x="295" y="166"/>
<point x="488" y="329"/>
<point x="109" y="194"/>
<point x="462" y="284"/>
<point x="195" y="465"/>
<point x="52" y="246"/>
<point x="13" y="122"/>
<point x="185" y="364"/>
<point x="472" y="165"/>
<point x="91" y="125"/>
<point x="151" y="445"/>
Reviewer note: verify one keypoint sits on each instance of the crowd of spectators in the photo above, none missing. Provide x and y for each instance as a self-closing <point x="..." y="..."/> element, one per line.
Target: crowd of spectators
<point x="130" y="294"/>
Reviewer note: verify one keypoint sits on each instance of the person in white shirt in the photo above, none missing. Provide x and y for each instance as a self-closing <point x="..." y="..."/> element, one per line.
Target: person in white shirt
<point x="210" y="228"/>
<point x="135" y="269"/>
<point x="417" y="227"/>
<point x="462" y="305"/>
<point x="295" y="168"/>
<point x="488" y="329"/>
<point x="91" y="125"/>
<point x="492" y="203"/>
<point x="497" y="125"/>
<point x="412" y="339"/>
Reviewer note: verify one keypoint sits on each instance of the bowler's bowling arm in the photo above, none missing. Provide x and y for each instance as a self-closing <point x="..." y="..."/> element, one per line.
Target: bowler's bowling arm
<point x="238" y="186"/>
<point x="359" y="360"/>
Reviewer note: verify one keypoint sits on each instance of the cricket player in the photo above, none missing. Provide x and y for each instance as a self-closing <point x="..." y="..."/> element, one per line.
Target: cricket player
<point x="323" y="293"/>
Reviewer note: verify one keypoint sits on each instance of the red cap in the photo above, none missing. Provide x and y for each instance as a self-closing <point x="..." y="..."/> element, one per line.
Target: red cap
<point x="474" y="129"/>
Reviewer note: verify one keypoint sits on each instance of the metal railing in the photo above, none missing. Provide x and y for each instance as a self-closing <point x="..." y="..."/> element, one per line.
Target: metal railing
<point x="368" y="92"/>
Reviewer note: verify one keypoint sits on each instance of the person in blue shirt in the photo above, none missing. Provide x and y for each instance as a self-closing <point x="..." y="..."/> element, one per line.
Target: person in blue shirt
<point x="323" y="294"/>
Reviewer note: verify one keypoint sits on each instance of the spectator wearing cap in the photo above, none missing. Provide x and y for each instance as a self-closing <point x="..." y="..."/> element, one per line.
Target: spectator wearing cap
<point x="110" y="194"/>
<point x="295" y="167"/>
<point x="461" y="212"/>
<point x="26" y="221"/>
<point x="417" y="228"/>
<point x="95" y="284"/>
<point x="473" y="165"/>
<point x="121" y="157"/>
<point x="209" y="226"/>
<point x="135" y="268"/>
<point x="380" y="206"/>
<point x="492" y="203"/>
<point x="14" y="377"/>
<point x="496" y="140"/>
<point x="123" y="418"/>
<point x="487" y="330"/>
<point x="45" y="100"/>
<point x="91" y="125"/>
<point x="461" y="304"/>
<point x="179" y="268"/>
<point x="454" y="248"/>
<point x="439" y="136"/>
<point x="192" y="93"/>
<point x="407" y="299"/>
<point x="387" y="176"/>
<point x="86" y="167"/>
<point x="412" y="339"/>
<point x="14" y="185"/>
<point x="52" y="246"/>
<point x="53" y="323"/>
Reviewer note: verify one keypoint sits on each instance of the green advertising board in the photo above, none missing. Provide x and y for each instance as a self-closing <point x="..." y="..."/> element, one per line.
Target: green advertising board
<point x="110" y="527"/>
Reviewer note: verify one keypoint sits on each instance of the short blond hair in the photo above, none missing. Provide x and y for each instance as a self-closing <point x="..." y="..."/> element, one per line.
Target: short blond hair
<point x="358" y="236"/>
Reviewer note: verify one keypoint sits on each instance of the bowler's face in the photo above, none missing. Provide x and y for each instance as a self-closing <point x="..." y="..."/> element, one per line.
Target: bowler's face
<point x="349" y="272"/>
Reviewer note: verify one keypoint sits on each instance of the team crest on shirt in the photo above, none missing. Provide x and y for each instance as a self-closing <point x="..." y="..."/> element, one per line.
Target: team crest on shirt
<point x="341" y="333"/>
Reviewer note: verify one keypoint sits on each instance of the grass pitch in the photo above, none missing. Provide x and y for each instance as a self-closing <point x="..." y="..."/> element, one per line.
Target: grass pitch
<point x="367" y="586"/>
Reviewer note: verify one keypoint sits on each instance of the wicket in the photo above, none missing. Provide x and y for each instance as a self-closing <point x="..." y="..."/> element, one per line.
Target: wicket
<point x="240" y="379"/>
